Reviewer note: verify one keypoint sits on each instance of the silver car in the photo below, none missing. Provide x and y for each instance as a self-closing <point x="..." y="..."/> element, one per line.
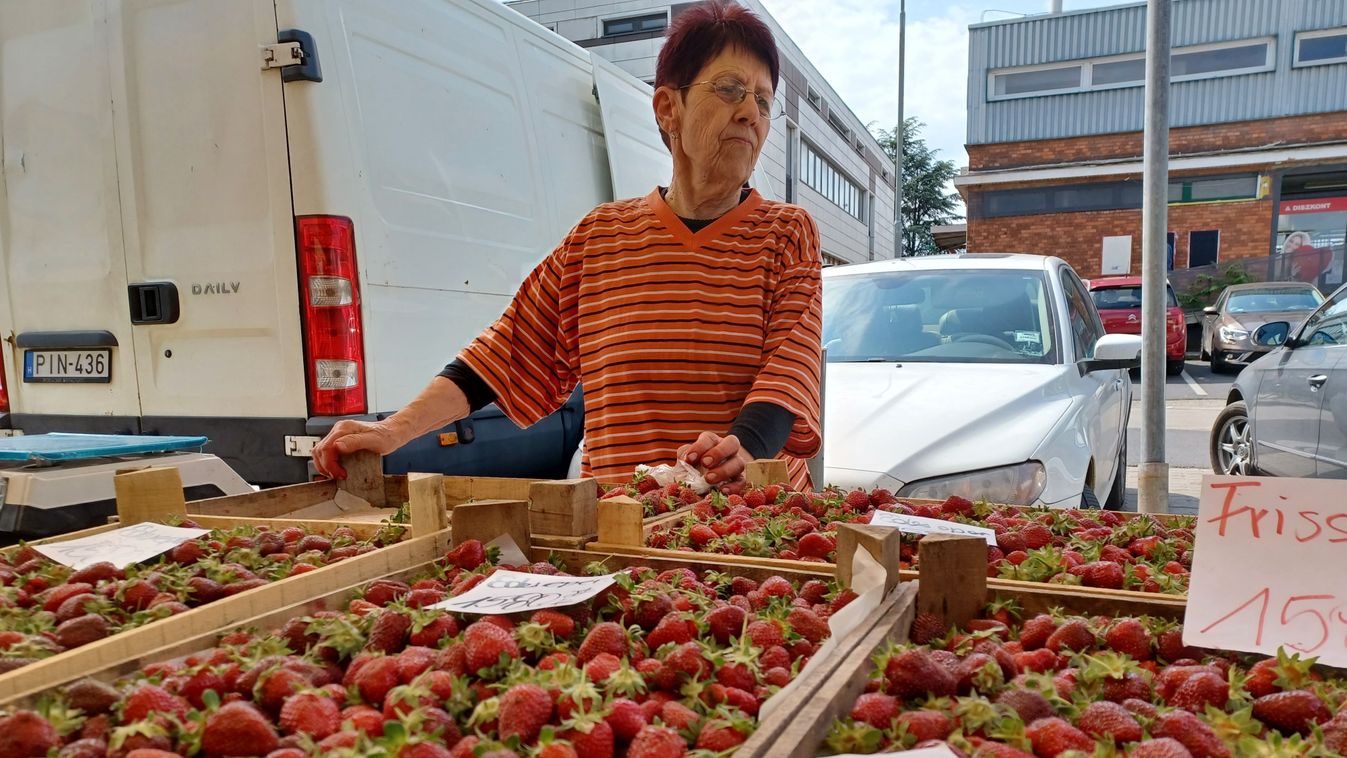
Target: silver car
<point x="1228" y="326"/>
<point x="1287" y="412"/>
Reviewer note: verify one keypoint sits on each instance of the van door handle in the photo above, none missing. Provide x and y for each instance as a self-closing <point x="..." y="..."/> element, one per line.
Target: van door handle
<point x="1317" y="381"/>
<point x="153" y="302"/>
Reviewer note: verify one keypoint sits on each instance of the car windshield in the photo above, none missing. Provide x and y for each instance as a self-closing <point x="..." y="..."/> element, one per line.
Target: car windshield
<point x="952" y="316"/>
<point x="1264" y="301"/>
<point x="1125" y="298"/>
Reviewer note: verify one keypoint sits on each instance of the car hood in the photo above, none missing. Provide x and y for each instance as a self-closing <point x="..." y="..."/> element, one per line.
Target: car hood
<point x="1250" y="321"/>
<point x="912" y="421"/>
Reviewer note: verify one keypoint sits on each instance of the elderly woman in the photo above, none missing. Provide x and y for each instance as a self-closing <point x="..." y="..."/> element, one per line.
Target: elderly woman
<point x="691" y="315"/>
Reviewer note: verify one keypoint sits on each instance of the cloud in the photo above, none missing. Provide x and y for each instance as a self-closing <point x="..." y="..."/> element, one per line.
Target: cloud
<point x="854" y="44"/>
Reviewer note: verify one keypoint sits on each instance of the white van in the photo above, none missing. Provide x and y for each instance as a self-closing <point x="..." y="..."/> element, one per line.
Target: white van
<point x="245" y="218"/>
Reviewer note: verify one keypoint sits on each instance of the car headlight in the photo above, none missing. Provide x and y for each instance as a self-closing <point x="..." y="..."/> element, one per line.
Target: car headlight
<point x="1233" y="334"/>
<point x="1015" y="485"/>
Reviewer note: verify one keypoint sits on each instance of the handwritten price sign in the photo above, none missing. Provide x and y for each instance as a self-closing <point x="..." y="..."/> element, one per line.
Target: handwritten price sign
<point x="1268" y="567"/>
<point x="517" y="592"/>
<point x="922" y="525"/>
<point x="121" y="547"/>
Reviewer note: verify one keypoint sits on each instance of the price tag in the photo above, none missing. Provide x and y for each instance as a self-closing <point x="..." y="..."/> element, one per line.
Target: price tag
<point x="922" y="525"/>
<point x="518" y="592"/>
<point x="1268" y="567"/>
<point x="120" y="547"/>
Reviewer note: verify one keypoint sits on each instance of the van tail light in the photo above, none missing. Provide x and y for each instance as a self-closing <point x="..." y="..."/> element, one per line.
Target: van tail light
<point x="4" y="393"/>
<point x="334" y="348"/>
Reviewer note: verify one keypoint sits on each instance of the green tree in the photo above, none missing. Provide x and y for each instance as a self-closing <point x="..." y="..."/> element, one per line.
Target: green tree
<point x="927" y="200"/>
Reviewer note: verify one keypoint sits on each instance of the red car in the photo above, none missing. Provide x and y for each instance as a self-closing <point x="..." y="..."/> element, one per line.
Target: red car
<point x="1118" y="300"/>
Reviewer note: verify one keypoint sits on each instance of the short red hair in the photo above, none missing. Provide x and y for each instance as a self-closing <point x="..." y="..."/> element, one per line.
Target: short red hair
<point x="702" y="32"/>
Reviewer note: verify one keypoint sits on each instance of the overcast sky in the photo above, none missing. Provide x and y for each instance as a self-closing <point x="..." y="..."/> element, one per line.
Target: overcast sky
<point x="854" y="44"/>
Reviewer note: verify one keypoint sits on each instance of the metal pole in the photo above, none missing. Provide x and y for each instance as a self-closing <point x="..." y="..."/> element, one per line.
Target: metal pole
<point x="898" y="137"/>
<point x="1153" y="476"/>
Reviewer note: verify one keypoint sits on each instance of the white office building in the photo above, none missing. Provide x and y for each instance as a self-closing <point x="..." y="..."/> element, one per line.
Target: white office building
<point x="818" y="155"/>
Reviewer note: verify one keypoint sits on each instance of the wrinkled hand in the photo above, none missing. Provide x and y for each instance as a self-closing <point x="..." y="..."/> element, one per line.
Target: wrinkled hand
<point x="347" y="437"/>
<point x="721" y="458"/>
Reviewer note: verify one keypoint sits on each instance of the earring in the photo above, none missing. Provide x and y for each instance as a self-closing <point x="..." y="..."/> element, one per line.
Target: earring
<point x="673" y="135"/>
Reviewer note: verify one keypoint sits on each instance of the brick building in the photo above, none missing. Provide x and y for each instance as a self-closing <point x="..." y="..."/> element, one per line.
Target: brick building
<point x="1258" y="140"/>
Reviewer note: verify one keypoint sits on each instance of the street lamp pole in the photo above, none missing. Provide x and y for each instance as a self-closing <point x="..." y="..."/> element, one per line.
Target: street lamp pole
<point x="1153" y="475"/>
<point x="898" y="136"/>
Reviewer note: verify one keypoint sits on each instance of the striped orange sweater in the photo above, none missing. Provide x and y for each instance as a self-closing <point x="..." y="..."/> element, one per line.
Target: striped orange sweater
<point x="671" y="332"/>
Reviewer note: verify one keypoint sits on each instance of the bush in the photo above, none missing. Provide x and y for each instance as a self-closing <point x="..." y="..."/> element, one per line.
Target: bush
<point x="1207" y="287"/>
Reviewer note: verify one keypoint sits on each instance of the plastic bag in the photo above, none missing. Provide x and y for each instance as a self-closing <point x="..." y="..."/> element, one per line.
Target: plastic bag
<point x="678" y="473"/>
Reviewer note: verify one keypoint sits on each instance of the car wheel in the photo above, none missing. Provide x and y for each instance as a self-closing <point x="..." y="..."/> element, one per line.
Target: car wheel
<point x="1231" y="444"/>
<point x="1174" y="368"/>
<point x="1088" y="500"/>
<point x="1117" y="494"/>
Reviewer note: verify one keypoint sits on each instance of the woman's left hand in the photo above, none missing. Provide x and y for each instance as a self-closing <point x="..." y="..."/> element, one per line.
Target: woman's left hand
<point x="722" y="458"/>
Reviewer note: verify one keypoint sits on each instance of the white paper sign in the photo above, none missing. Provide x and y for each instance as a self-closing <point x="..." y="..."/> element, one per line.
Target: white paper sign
<point x="1268" y="567"/>
<point x="120" y="547"/>
<point x="518" y="592"/>
<point x="923" y="525"/>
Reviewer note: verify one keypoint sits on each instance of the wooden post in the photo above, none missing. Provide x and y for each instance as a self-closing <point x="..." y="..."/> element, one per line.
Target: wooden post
<point x="150" y="494"/>
<point x="765" y="471"/>
<point x="565" y="507"/>
<point x="621" y="521"/>
<point x="486" y="520"/>
<point x="465" y="489"/>
<point x="880" y="541"/>
<point x="425" y="504"/>
<point x="953" y="577"/>
<point x="365" y="477"/>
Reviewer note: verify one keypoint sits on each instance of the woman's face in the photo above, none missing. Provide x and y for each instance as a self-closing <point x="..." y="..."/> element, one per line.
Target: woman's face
<point x="719" y="140"/>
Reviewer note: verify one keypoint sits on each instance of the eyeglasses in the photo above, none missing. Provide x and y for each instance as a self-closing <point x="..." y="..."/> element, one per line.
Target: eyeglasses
<point x="733" y="92"/>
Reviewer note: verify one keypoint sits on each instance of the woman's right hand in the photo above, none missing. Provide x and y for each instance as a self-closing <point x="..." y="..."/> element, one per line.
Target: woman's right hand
<point x="347" y="437"/>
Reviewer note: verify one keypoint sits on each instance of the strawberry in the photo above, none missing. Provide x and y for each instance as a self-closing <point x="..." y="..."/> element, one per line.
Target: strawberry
<point x="981" y="672"/>
<point x="1201" y="690"/>
<point x="1051" y="736"/>
<point x="1029" y="704"/>
<point x="136" y="595"/>
<point x="598" y="742"/>
<point x="238" y="729"/>
<point x="441" y="626"/>
<point x="816" y="545"/>
<point x="913" y="673"/>
<point x="766" y="633"/>
<point x="657" y="742"/>
<point x="1104" y="718"/>
<point x="1192" y="732"/>
<point x="1165" y="747"/>
<point x="726" y="622"/>
<point x="686" y="662"/>
<point x="26" y="734"/>
<point x="699" y="535"/>
<point x="1074" y="635"/>
<point x="559" y="624"/>
<point x="310" y="713"/>
<point x="389" y="633"/>
<point x="1011" y="542"/>
<point x="91" y="696"/>
<point x="149" y="698"/>
<point x="195" y="688"/>
<point x="927" y="627"/>
<point x="1035" y="632"/>
<point x="524" y="710"/>
<point x="626" y="718"/>
<point x="776" y="586"/>
<point x="876" y="709"/>
<point x="1169" y="644"/>
<point x="1041" y="660"/>
<point x="720" y="737"/>
<point x="1291" y="711"/>
<point x="988" y="749"/>
<point x="376" y="679"/>
<point x="95" y="573"/>
<point x="926" y="724"/>
<point x="467" y="555"/>
<point x="672" y="629"/>
<point x="857" y="500"/>
<point x="82" y="748"/>
<point x="484" y="643"/>
<point x="604" y="637"/>
<point x="678" y="716"/>
<point x="57" y="596"/>
<point x="1129" y="637"/>
<point x="364" y="719"/>
<point x="1036" y="536"/>
<point x="81" y="631"/>
<point x="602" y="666"/>
<point x="807" y="624"/>
<point x="1106" y="574"/>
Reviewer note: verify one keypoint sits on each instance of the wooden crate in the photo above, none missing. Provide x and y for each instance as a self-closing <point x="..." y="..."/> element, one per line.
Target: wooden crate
<point x="155" y="494"/>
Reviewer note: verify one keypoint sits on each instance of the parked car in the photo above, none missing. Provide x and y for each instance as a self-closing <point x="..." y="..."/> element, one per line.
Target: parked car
<point x="1228" y="326"/>
<point x="1118" y="299"/>
<point x="1287" y="412"/>
<point x="986" y="376"/>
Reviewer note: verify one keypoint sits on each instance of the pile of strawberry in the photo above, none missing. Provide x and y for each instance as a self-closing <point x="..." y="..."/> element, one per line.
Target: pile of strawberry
<point x="47" y="608"/>
<point x="656" y="499"/>
<point x="656" y="665"/>
<point x="1097" y="686"/>
<point x="1092" y="548"/>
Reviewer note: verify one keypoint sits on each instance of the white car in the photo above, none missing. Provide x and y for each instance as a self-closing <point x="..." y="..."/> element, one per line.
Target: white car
<point x="986" y="376"/>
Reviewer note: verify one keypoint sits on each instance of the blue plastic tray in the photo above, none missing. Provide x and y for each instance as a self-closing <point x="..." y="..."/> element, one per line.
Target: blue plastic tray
<point x="74" y="447"/>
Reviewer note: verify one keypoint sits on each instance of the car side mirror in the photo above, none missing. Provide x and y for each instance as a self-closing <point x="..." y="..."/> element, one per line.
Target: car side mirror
<point x="1210" y="310"/>
<point x="1113" y="352"/>
<point x="1272" y="334"/>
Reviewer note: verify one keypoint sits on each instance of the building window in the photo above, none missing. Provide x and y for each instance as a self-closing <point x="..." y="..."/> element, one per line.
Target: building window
<point x="1099" y="196"/>
<point x="831" y="260"/>
<point x="1207" y="189"/>
<point x="653" y="22"/>
<point x="1204" y="248"/>
<point x="1186" y="64"/>
<point x="839" y="126"/>
<point x="815" y="100"/>
<point x="1321" y="48"/>
<point x="826" y="179"/>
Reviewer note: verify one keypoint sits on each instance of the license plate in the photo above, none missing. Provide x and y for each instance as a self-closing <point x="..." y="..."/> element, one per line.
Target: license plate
<point x="67" y="366"/>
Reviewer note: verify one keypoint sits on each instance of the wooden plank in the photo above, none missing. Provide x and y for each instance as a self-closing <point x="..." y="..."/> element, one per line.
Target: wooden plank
<point x="621" y="522"/>
<point x="650" y="523"/>
<point x="269" y="503"/>
<point x="765" y="471"/>
<point x="576" y="560"/>
<point x="826" y="692"/>
<point x="364" y="477"/>
<point x="564" y="507"/>
<point x="485" y="520"/>
<point x="464" y="489"/>
<point x="955" y="572"/>
<point x="150" y="494"/>
<point x="210" y="618"/>
<point x="881" y="542"/>
<point x="425" y="504"/>
<point x="561" y="542"/>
